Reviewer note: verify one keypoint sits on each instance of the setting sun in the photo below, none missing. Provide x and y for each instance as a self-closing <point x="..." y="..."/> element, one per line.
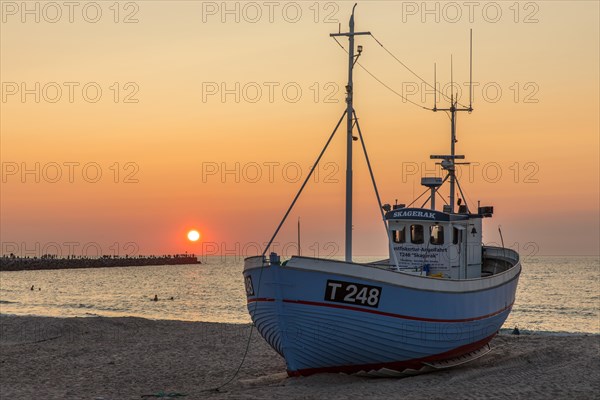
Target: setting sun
<point x="193" y="235"/>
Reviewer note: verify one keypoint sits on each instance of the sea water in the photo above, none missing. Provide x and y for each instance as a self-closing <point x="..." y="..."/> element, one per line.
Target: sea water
<point x="555" y="294"/>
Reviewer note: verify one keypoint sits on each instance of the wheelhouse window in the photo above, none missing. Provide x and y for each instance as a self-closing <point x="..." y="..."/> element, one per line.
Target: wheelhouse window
<point x="399" y="236"/>
<point x="416" y="234"/>
<point x="436" y="234"/>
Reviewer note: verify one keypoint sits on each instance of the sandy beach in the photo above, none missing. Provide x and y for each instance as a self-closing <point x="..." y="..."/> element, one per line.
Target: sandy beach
<point x="127" y="358"/>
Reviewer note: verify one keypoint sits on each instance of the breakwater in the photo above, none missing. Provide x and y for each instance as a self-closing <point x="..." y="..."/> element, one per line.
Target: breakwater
<point x="12" y="263"/>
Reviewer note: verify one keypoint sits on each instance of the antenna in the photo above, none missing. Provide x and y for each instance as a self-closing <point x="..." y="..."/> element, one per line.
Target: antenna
<point x="471" y="70"/>
<point x="434" y="89"/>
<point x="451" y="83"/>
<point x="299" y="251"/>
<point x="448" y="162"/>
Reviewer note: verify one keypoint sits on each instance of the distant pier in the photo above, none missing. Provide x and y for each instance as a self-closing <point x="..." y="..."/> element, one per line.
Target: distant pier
<point x="15" y="263"/>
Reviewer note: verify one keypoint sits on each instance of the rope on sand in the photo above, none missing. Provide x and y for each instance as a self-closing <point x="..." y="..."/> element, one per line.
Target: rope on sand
<point x="165" y="395"/>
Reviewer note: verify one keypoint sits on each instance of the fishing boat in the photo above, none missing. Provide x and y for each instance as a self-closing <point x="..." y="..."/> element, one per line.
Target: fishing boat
<point x="436" y="301"/>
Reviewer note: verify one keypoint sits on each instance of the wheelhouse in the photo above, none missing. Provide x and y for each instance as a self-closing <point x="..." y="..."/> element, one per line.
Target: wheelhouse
<point x="441" y="244"/>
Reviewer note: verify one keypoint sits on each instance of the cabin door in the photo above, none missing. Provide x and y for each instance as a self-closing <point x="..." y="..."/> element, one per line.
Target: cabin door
<point x="460" y="261"/>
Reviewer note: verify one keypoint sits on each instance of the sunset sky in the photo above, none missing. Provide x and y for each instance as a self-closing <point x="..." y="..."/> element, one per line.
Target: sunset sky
<point x="124" y="127"/>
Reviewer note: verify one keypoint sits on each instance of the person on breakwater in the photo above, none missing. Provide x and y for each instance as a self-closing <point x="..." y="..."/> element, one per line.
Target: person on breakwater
<point x="31" y="287"/>
<point x="155" y="298"/>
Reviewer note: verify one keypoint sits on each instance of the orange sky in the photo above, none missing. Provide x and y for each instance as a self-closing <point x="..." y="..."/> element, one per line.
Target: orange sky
<point x="162" y="135"/>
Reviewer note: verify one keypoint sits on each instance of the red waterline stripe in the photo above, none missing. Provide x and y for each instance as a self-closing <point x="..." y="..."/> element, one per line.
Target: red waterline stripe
<point x="415" y="363"/>
<point x="387" y="314"/>
<point x="260" y="299"/>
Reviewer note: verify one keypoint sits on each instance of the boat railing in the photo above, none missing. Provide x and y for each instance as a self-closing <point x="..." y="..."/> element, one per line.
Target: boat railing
<point x="256" y="262"/>
<point x="501" y="253"/>
<point x="497" y="260"/>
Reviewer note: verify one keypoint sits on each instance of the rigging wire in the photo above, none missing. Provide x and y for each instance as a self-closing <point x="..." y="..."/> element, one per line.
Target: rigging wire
<point x="403" y="97"/>
<point x="392" y="90"/>
<point x="338" y="42"/>
<point x="217" y="389"/>
<point x="413" y="202"/>
<point x="423" y="205"/>
<point x="411" y="71"/>
<point x="385" y="223"/>
<point x="466" y="198"/>
<point x="383" y="83"/>
<point x="441" y="197"/>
